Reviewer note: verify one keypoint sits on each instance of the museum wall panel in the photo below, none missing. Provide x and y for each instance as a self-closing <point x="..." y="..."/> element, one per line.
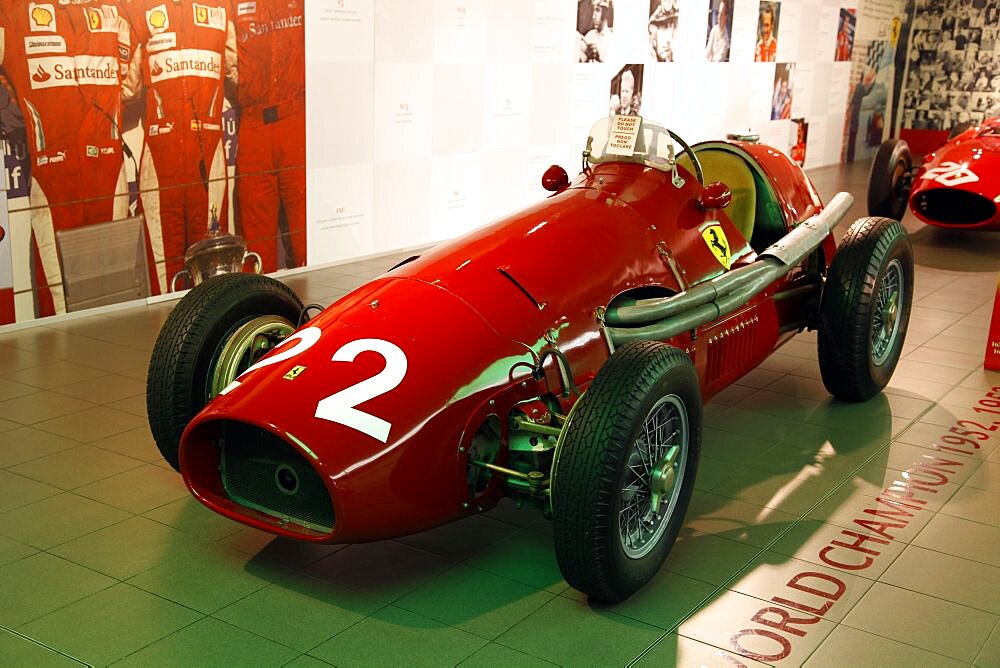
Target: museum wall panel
<point x="424" y="120"/>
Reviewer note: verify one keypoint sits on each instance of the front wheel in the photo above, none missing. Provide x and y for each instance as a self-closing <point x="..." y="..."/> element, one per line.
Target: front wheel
<point x="215" y="332"/>
<point x="889" y="180"/>
<point x="865" y="309"/>
<point x="625" y="470"/>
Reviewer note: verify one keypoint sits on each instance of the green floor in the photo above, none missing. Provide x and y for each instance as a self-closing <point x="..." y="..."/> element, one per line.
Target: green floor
<point x="106" y="559"/>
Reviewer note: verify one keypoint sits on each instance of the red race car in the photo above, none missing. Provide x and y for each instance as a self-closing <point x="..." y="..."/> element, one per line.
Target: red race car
<point x="958" y="185"/>
<point x="559" y="356"/>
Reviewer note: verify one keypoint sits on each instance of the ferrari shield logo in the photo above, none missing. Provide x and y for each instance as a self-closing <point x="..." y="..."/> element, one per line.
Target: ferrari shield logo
<point x="715" y="239"/>
<point x="293" y="374"/>
<point x="94" y="19"/>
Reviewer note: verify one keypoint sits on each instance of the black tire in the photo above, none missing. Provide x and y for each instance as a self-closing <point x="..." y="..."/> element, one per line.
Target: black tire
<point x="959" y="129"/>
<point x="860" y="341"/>
<point x="641" y="380"/>
<point x="187" y="348"/>
<point x="889" y="180"/>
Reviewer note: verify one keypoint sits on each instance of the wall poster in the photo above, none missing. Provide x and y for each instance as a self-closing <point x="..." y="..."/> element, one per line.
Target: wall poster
<point x="148" y="144"/>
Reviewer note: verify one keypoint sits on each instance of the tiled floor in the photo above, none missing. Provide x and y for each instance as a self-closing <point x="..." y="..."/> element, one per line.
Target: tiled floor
<point x="821" y="533"/>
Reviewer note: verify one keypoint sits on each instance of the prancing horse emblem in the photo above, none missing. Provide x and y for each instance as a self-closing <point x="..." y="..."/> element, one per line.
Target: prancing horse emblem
<point x="715" y="239"/>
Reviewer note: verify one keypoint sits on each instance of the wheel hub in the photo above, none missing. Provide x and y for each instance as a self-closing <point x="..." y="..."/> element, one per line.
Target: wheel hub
<point x="886" y="313"/>
<point x="663" y="477"/>
<point x="247" y="344"/>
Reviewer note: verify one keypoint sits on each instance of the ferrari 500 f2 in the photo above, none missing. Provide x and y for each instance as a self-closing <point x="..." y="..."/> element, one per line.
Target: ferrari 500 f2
<point x="560" y="356"/>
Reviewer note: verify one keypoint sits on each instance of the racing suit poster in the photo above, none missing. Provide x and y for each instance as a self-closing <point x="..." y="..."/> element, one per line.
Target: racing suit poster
<point x="138" y="161"/>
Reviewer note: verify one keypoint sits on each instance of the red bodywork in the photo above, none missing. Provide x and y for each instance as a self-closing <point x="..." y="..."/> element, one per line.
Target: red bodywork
<point x="958" y="185"/>
<point x="471" y="317"/>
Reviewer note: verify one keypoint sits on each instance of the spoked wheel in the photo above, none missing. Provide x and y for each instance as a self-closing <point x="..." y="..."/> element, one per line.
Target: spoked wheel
<point x="656" y="463"/>
<point x="216" y="332"/>
<point x="885" y="314"/>
<point x="865" y="309"/>
<point x="624" y="471"/>
<point x="889" y="180"/>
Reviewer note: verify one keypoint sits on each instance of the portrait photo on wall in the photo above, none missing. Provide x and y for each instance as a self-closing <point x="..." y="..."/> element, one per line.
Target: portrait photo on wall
<point x="595" y="22"/>
<point x="626" y="91"/>
<point x="767" y="32"/>
<point x="662" y="30"/>
<point x="845" y="34"/>
<point x="720" y="27"/>
<point x="800" y="135"/>
<point x="781" y="101"/>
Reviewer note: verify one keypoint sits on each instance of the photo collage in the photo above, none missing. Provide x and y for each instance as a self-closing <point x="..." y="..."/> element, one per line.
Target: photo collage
<point x="953" y="65"/>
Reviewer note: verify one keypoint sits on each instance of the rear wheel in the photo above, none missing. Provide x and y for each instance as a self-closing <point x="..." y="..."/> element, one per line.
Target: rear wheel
<point x="216" y="331"/>
<point x="865" y="309"/>
<point x="889" y="180"/>
<point x="625" y="470"/>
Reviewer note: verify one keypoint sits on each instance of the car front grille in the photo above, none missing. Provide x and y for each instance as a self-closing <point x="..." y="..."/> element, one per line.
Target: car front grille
<point x="952" y="206"/>
<point x="265" y="473"/>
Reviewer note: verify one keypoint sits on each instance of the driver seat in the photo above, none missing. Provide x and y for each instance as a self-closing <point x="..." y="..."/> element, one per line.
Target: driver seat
<point x="731" y="169"/>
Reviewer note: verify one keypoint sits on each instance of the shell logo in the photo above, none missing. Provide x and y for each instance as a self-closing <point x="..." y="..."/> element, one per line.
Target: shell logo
<point x="158" y="19"/>
<point x="42" y="16"/>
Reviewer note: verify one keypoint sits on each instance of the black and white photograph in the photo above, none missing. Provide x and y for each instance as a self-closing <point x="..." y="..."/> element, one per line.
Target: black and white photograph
<point x="953" y="68"/>
<point x="663" y="16"/>
<point x="595" y="22"/>
<point x="626" y="91"/>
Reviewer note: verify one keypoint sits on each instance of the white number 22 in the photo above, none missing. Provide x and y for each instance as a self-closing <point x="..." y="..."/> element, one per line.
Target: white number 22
<point x="340" y="407"/>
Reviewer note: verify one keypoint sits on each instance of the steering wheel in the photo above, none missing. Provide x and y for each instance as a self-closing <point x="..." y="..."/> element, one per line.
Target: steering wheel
<point x="694" y="156"/>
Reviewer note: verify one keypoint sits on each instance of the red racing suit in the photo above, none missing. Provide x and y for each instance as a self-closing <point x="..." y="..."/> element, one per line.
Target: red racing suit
<point x="183" y="50"/>
<point x="271" y="155"/>
<point x="65" y="61"/>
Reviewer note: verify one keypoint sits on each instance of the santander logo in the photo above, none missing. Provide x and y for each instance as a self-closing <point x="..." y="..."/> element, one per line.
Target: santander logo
<point x="41" y="75"/>
<point x="180" y="63"/>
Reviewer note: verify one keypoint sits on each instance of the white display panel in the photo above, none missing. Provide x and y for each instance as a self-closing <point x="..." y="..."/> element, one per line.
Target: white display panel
<point x="508" y="39"/>
<point x="507" y="102"/>
<point x="401" y="204"/>
<point x="340" y="114"/>
<point x="552" y="32"/>
<point x="403" y="109"/>
<point x="551" y="95"/>
<point x="455" y="195"/>
<point x="404" y="32"/>
<point x="340" y="32"/>
<point x="339" y="202"/>
<point x="459" y="30"/>
<point x="458" y="113"/>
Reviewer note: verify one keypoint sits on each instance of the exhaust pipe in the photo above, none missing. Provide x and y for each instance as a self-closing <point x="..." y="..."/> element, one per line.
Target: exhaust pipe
<point x="661" y="318"/>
